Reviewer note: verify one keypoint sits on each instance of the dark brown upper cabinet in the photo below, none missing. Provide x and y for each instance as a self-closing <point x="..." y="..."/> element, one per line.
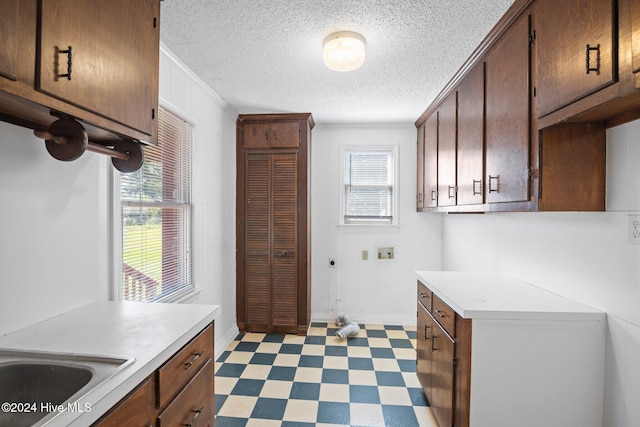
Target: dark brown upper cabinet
<point x="576" y="50"/>
<point x="420" y="170"/>
<point x="91" y="60"/>
<point x="507" y="120"/>
<point x="431" y="161"/>
<point x="470" y="164"/>
<point x="9" y="45"/>
<point x="447" y="148"/>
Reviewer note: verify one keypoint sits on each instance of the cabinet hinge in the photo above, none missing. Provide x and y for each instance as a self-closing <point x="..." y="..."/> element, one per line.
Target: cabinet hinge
<point x="530" y="174"/>
<point x="455" y="362"/>
<point x="153" y="114"/>
<point x="155" y="22"/>
<point x="532" y="37"/>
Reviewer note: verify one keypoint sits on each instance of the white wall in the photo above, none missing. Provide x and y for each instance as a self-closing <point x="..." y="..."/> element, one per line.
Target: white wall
<point x="370" y="291"/>
<point x="583" y="256"/>
<point x="53" y="240"/>
<point x="213" y="187"/>
<point x="55" y="216"/>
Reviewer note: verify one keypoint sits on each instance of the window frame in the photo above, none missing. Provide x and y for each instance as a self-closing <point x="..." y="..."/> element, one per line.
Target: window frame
<point x="185" y="293"/>
<point x="394" y="149"/>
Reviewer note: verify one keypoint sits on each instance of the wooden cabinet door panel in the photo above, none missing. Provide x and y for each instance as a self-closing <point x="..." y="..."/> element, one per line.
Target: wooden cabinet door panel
<point x="285" y="134"/>
<point x="113" y="66"/>
<point x="420" y="169"/>
<point x="423" y="350"/>
<point x="443" y="348"/>
<point x="9" y="37"/>
<point x="447" y="146"/>
<point x="285" y="242"/>
<point x="471" y="137"/>
<point x="257" y="240"/>
<point x="575" y="50"/>
<point x="431" y="161"/>
<point x="635" y="34"/>
<point x="256" y="135"/>
<point x="136" y="410"/>
<point x="507" y="116"/>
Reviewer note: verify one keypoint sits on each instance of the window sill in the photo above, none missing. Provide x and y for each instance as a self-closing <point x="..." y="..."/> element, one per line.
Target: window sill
<point x="182" y="297"/>
<point x="368" y="228"/>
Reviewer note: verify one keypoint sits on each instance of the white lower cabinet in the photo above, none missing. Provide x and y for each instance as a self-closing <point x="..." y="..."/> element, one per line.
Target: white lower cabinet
<point x="496" y="351"/>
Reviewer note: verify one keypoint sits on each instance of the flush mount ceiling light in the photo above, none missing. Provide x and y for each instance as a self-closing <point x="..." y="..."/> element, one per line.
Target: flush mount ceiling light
<point x="343" y="51"/>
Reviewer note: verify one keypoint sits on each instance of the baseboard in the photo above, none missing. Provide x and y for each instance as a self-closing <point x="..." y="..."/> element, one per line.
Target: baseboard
<point x="223" y="342"/>
<point x="375" y="319"/>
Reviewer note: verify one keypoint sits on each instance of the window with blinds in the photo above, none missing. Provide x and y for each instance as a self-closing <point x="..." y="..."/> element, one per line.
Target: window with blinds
<point x="156" y="217"/>
<point x="368" y="179"/>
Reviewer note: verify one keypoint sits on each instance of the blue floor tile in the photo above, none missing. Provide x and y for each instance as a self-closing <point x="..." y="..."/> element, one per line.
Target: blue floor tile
<point x="233" y="370"/>
<point x="411" y="334"/>
<point x="311" y="361"/>
<point x="219" y="400"/>
<point x="357" y="342"/>
<point x="247" y="346"/>
<point x="334" y="350"/>
<point x="393" y="379"/>
<point x="417" y="397"/>
<point x="407" y="365"/>
<point x="248" y="387"/>
<point x="334" y="413"/>
<point x="393" y="328"/>
<point x="274" y="338"/>
<point x="377" y="333"/>
<point x="399" y="416"/>
<point x="223" y="356"/>
<point x="262" y="359"/>
<point x="291" y="349"/>
<point x="360" y="364"/>
<point x="315" y="339"/>
<point x="382" y="353"/>
<point x="231" y="422"/>
<point x="282" y="373"/>
<point x="305" y="391"/>
<point x="400" y="343"/>
<point x="364" y="394"/>
<point x="270" y="409"/>
<point x="335" y="376"/>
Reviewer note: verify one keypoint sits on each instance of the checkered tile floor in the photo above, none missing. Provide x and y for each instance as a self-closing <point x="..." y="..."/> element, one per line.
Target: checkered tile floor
<point x="288" y="380"/>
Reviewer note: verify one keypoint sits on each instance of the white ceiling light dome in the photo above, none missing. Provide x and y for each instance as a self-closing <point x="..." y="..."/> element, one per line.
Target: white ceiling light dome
<point x="344" y="51"/>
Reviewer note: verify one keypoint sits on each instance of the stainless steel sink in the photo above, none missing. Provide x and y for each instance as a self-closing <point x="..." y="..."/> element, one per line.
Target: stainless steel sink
<point x="36" y="387"/>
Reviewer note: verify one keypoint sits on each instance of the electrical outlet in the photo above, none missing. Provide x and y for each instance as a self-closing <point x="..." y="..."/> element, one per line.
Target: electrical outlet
<point x="365" y="255"/>
<point x="633" y="229"/>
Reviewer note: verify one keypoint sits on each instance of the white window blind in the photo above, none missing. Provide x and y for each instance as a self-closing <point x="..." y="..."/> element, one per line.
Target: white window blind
<point x="156" y="217"/>
<point x="368" y="186"/>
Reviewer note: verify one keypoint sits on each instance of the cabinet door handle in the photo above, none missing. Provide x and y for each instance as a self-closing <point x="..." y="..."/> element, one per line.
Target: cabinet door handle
<point x="69" y="54"/>
<point x="425" y="332"/>
<point x="433" y="343"/>
<point x="196" y="414"/>
<point x="434" y="195"/>
<point x="588" y="56"/>
<point x="454" y="192"/>
<point x="420" y="198"/>
<point x="440" y="314"/>
<point x="479" y="191"/>
<point x="192" y="361"/>
<point x="493" y="179"/>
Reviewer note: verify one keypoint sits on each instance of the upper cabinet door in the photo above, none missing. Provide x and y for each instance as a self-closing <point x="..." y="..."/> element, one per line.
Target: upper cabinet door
<point x="508" y="116"/>
<point x="420" y="170"/>
<point x="9" y="37"/>
<point x="431" y="161"/>
<point x="575" y="50"/>
<point x="471" y="137"/>
<point x="447" y="143"/>
<point x="102" y="56"/>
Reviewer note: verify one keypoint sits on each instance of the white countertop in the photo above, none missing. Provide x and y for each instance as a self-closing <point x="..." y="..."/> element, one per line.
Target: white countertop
<point x="502" y="297"/>
<point x="149" y="333"/>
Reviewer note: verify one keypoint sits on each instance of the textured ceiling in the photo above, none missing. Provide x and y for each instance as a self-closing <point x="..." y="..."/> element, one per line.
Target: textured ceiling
<point x="266" y="55"/>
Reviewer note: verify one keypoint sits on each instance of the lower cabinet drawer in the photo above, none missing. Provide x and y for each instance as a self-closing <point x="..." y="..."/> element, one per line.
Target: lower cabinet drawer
<point x="444" y="315"/>
<point x="424" y="296"/>
<point x="177" y="372"/>
<point x="194" y="406"/>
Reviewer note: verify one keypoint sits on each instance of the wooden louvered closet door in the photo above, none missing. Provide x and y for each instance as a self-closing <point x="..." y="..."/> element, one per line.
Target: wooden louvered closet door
<point x="272" y="225"/>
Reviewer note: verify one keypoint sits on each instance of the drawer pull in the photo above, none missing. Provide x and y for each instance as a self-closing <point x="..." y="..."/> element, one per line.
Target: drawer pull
<point x="423" y="295"/>
<point x="196" y="414"/>
<point x="195" y="357"/>
<point x="493" y="189"/>
<point x="441" y="314"/>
